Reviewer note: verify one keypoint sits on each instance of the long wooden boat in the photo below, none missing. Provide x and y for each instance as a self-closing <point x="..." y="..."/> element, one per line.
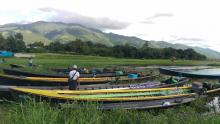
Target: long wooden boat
<point x="190" y="74"/>
<point x="49" y="81"/>
<point x="121" y="98"/>
<point x="5" y="89"/>
<point x="148" y="104"/>
<point x="151" y="104"/>
<point x="44" y="81"/>
<point x="115" y="95"/>
<point x="148" y="84"/>
<point x="32" y="74"/>
<point x="160" y="103"/>
<point x="110" y="95"/>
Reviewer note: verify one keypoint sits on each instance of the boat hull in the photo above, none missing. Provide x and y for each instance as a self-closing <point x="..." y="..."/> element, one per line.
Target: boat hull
<point x="140" y="105"/>
<point x="174" y="72"/>
<point x="38" y="81"/>
<point x="160" y="102"/>
<point x="24" y="73"/>
<point x="49" y="81"/>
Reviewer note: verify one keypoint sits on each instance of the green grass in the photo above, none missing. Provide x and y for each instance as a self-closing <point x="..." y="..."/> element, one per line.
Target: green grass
<point x="44" y="61"/>
<point x="32" y="112"/>
<point x="64" y="60"/>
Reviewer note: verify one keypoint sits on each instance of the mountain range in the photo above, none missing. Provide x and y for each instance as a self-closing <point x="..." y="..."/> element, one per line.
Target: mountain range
<point x="48" y="32"/>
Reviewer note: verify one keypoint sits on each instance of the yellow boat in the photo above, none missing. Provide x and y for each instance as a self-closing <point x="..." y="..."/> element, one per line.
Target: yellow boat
<point x="114" y="95"/>
<point x="66" y="79"/>
<point x="121" y="98"/>
<point x="48" y="81"/>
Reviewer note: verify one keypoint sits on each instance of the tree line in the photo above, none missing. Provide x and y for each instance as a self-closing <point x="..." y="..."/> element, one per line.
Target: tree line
<point x="15" y="43"/>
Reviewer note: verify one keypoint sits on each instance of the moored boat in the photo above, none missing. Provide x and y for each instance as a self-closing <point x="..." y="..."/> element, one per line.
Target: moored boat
<point x="62" y="75"/>
<point x="49" y="81"/>
<point x="110" y="95"/>
<point x="121" y="98"/>
<point x="5" y="89"/>
<point x="151" y="104"/>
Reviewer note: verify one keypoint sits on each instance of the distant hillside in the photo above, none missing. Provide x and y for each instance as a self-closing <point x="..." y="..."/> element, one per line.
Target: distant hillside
<point x="208" y="52"/>
<point x="121" y="40"/>
<point x="205" y="51"/>
<point x="48" y="32"/>
<point x="51" y="31"/>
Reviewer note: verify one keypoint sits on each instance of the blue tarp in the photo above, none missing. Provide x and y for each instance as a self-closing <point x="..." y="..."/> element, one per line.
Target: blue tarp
<point x="134" y="76"/>
<point x="6" y="54"/>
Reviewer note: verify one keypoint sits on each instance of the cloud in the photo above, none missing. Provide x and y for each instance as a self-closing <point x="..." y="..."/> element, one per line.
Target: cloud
<point x="160" y="15"/>
<point x="103" y="23"/>
<point x="149" y="20"/>
<point x="140" y="34"/>
<point x="190" y="41"/>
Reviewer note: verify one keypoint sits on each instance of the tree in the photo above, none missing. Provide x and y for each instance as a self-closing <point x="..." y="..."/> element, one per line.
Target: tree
<point x="36" y="44"/>
<point x="56" y="46"/>
<point x="36" y="47"/>
<point x="146" y="44"/>
<point x="117" y="51"/>
<point x="2" y="42"/>
<point x="15" y="43"/>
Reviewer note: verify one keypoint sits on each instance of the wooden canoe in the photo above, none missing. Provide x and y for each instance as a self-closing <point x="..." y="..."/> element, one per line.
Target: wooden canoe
<point x="121" y="98"/>
<point x="114" y="95"/>
<point x="49" y="81"/>
<point x="110" y="95"/>
<point x="17" y="72"/>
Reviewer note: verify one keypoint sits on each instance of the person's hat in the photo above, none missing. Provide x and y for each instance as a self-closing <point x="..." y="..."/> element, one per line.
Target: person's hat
<point x="74" y="66"/>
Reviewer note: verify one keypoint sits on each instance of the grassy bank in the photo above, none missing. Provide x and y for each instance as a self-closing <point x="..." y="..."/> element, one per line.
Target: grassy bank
<point x="44" y="61"/>
<point x="32" y="112"/>
<point x="64" y="60"/>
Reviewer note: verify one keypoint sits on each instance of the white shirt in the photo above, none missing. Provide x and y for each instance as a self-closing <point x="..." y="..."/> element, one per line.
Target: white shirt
<point x="74" y="75"/>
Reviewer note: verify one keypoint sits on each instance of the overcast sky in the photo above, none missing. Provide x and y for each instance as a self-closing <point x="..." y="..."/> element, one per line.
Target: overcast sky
<point x="190" y="22"/>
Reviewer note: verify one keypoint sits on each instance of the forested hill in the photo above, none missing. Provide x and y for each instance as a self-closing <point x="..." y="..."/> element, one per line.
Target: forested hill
<point x="48" y="32"/>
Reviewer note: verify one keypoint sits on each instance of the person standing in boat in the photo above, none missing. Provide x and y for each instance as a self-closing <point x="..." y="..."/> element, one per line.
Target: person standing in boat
<point x="73" y="78"/>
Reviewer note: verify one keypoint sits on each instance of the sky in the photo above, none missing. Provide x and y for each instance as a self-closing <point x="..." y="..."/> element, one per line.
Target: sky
<point x="189" y="22"/>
